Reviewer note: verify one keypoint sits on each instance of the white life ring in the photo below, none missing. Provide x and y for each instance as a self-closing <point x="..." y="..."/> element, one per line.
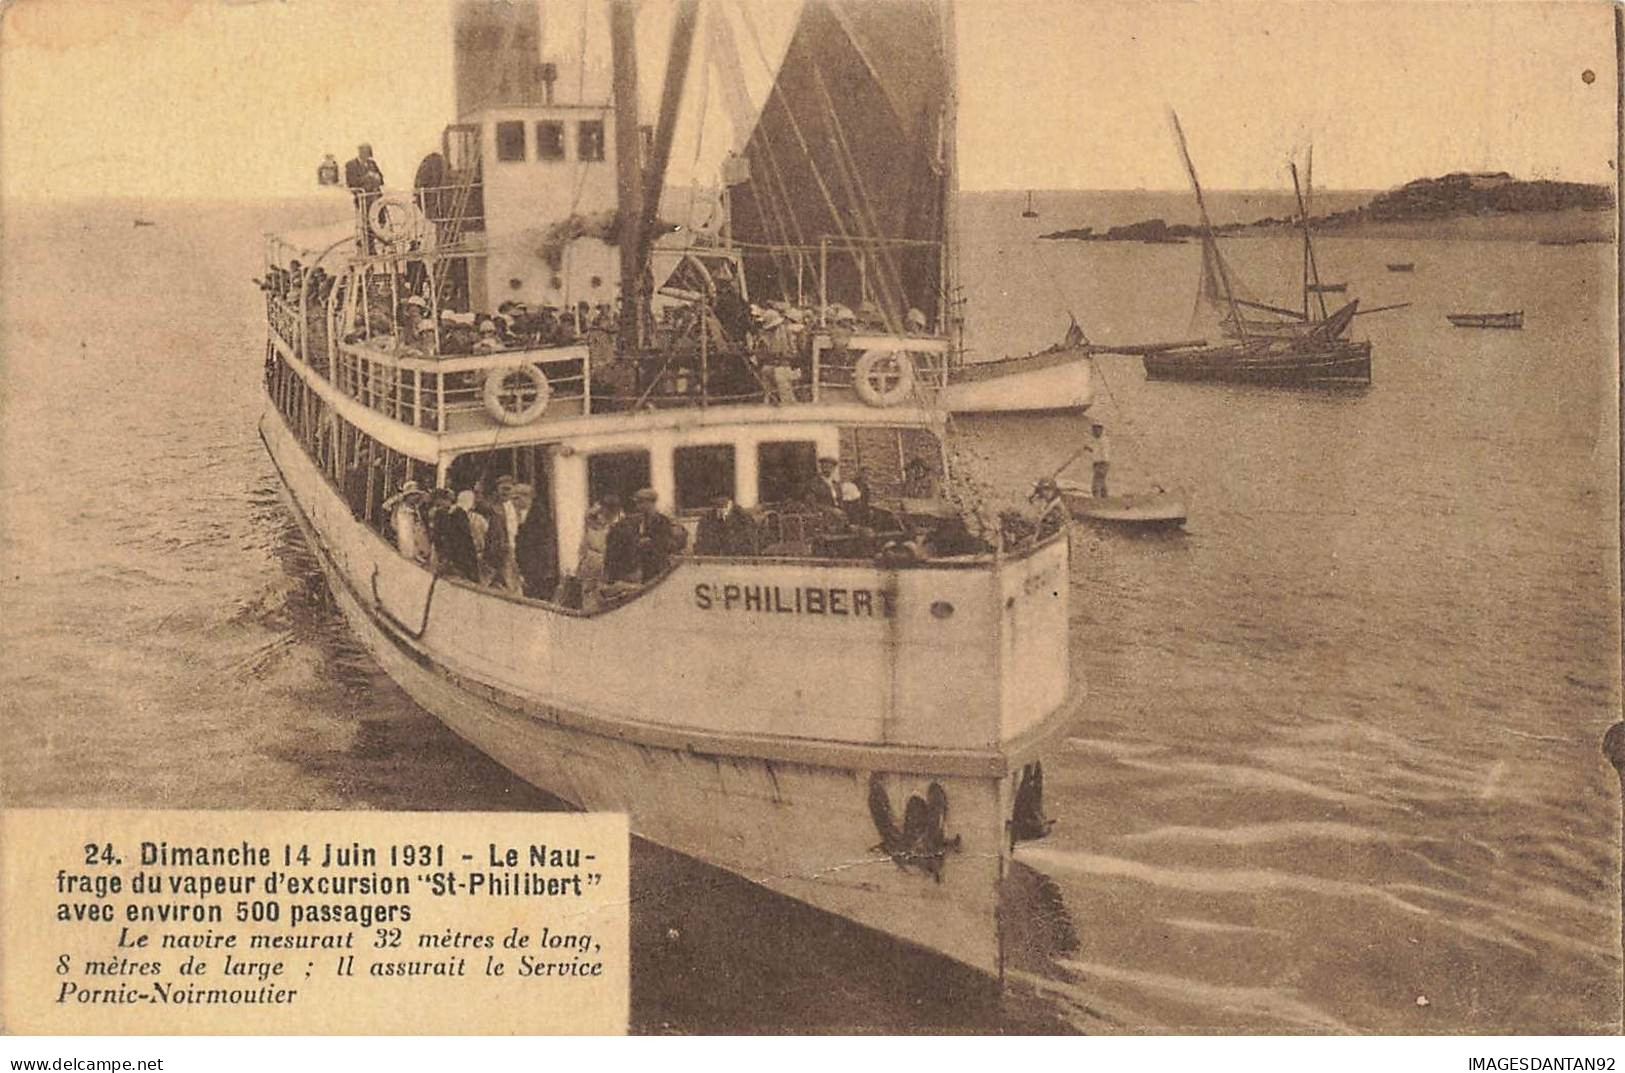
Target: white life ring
<point x="884" y="377"/>
<point x="516" y="395"/>
<point x="397" y="221"/>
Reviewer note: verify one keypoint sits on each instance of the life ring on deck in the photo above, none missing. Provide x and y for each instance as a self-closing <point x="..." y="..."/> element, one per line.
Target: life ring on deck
<point x="397" y="221"/>
<point x="516" y="395"/>
<point x="884" y="377"/>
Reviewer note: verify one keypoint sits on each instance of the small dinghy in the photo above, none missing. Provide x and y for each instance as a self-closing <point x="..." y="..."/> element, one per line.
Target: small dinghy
<point x="1157" y="509"/>
<point x="1512" y="320"/>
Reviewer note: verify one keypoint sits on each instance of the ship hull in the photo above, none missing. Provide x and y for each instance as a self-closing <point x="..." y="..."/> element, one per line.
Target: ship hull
<point x="1055" y="381"/>
<point x="796" y="822"/>
<point x="1341" y="364"/>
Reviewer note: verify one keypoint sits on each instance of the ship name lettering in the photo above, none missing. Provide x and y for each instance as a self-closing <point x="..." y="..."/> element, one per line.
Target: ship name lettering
<point x="796" y="600"/>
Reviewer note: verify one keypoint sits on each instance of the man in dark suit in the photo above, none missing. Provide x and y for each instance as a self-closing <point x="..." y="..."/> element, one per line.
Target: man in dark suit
<point x="725" y="530"/>
<point x="534" y="545"/>
<point x="453" y="537"/>
<point x="362" y="173"/>
<point x="659" y="537"/>
<point x="621" y="549"/>
<point x="365" y="179"/>
<point x="825" y="489"/>
<point x="641" y="544"/>
<point x="502" y="524"/>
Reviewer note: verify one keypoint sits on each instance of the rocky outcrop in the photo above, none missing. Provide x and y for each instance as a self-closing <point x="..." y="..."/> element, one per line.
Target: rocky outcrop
<point x="1445" y="197"/>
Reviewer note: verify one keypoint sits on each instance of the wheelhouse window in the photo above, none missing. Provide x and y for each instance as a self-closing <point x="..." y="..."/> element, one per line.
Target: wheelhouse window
<point x="590" y="139"/>
<point x="510" y="140"/>
<point x="702" y="474"/>
<point x="619" y="473"/>
<point x="782" y="466"/>
<point x="549" y="140"/>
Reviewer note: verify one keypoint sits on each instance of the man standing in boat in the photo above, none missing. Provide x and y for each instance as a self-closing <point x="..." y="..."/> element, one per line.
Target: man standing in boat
<point x="1100" y="453"/>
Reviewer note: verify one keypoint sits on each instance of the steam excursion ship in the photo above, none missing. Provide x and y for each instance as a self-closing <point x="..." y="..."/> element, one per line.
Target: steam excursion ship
<point x="847" y="699"/>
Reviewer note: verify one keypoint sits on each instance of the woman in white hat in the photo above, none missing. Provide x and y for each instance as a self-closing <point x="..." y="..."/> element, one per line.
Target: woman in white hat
<point x="411" y="534"/>
<point x="490" y="339"/>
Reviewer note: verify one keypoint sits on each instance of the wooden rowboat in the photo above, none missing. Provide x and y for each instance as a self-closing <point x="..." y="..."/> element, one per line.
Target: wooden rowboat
<point x="1159" y="509"/>
<point x="1486" y="320"/>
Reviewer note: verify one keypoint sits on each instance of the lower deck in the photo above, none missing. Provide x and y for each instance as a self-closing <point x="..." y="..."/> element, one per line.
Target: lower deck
<point x="910" y="649"/>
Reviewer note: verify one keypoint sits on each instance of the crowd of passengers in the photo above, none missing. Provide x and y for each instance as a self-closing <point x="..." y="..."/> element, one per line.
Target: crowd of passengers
<point x="286" y="285"/>
<point x="498" y="533"/>
<point x="757" y="352"/>
<point x="515" y="326"/>
<point x="772" y="341"/>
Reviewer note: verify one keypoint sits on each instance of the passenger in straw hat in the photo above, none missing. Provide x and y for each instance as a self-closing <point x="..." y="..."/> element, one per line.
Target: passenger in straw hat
<point x="490" y="340"/>
<point x="405" y="512"/>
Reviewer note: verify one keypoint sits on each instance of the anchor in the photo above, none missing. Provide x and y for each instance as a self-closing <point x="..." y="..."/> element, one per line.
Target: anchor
<point x="920" y="843"/>
<point x="1027" y="820"/>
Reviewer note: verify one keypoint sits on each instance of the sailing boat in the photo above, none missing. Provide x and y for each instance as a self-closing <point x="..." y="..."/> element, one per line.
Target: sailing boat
<point x="1030" y="213"/>
<point x="776" y="703"/>
<point x="1292" y="348"/>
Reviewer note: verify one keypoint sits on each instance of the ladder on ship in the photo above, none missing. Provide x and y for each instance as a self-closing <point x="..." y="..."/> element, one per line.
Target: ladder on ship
<point x="449" y="233"/>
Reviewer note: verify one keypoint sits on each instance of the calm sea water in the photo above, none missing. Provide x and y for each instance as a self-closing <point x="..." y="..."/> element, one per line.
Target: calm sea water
<point x="1341" y="750"/>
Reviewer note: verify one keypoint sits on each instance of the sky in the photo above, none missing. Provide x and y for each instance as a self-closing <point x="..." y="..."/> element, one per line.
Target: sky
<point x="187" y="98"/>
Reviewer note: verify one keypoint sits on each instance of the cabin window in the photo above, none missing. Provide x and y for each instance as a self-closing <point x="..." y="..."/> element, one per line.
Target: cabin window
<point x="549" y="140"/>
<point x="782" y="467"/>
<point x="619" y="473"/>
<point x="702" y="474"/>
<point x="510" y="140"/>
<point x="590" y="139"/>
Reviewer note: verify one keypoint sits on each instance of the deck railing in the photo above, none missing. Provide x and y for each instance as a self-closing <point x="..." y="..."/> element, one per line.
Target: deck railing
<point x="352" y="321"/>
<point x="432" y="217"/>
<point x="447" y="394"/>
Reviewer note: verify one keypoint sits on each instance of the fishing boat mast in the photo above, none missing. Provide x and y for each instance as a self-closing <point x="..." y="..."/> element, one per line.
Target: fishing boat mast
<point x="1311" y="271"/>
<point x="1210" y="245"/>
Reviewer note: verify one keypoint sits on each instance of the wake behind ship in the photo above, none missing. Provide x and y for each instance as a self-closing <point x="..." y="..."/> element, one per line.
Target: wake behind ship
<point x="666" y="531"/>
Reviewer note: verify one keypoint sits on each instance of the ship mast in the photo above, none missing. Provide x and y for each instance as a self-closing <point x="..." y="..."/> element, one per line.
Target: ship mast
<point x="1210" y="246"/>
<point x="671" y="98"/>
<point x="951" y="324"/>
<point x="628" y="162"/>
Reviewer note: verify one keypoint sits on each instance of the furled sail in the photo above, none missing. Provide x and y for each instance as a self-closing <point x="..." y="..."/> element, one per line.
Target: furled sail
<point x="850" y="147"/>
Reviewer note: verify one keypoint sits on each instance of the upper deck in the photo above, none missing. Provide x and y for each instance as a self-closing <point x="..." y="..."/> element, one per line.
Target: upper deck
<point x="395" y="339"/>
